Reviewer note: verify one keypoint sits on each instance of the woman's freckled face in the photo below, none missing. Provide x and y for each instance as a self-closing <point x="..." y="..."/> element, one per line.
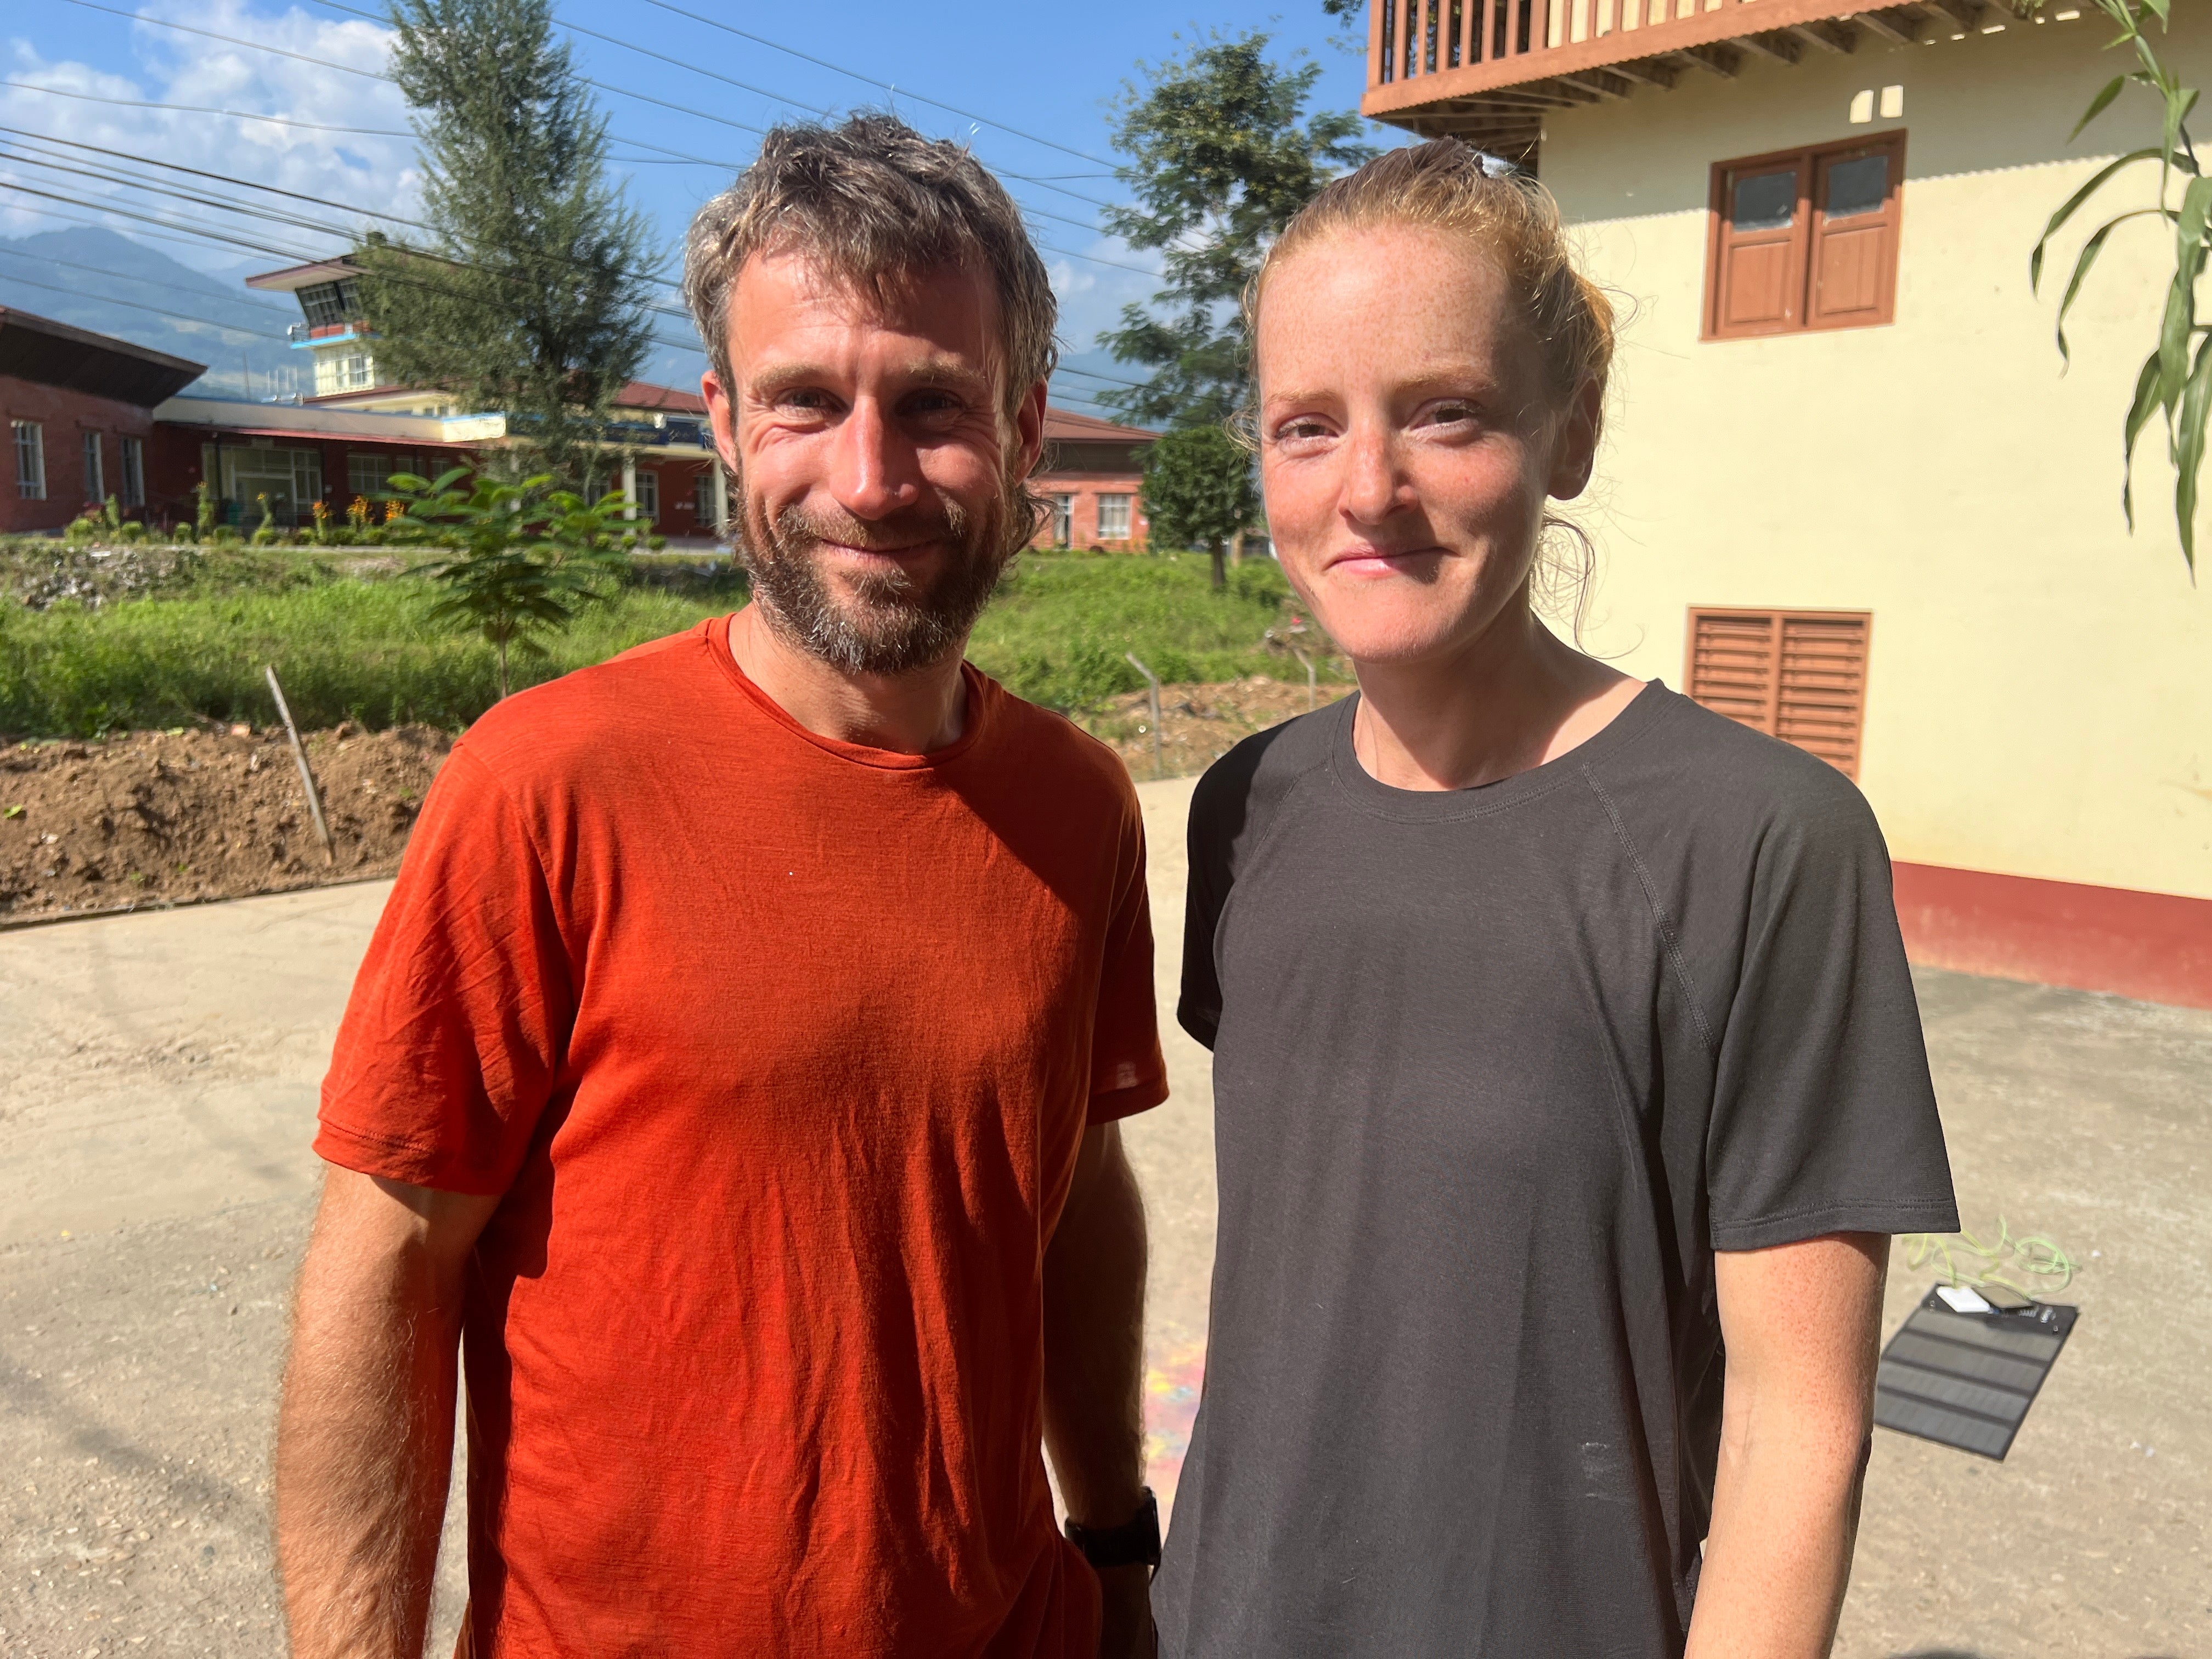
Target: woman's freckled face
<point x="1405" y="446"/>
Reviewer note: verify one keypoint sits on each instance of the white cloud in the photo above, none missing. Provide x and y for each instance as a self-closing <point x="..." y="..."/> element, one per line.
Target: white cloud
<point x="1092" y="296"/>
<point x="342" y="171"/>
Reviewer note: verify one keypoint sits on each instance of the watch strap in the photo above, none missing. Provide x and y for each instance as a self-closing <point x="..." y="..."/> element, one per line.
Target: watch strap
<point x="1135" y="1542"/>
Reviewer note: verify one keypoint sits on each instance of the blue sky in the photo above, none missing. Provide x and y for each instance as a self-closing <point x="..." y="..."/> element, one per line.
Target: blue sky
<point x="1048" y="72"/>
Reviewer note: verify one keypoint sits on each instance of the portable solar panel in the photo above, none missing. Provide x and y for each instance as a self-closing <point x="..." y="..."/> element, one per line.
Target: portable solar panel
<point x="1967" y="1379"/>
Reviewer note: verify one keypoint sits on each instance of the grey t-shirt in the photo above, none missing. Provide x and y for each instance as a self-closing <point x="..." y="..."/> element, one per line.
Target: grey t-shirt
<point x="1496" y="1072"/>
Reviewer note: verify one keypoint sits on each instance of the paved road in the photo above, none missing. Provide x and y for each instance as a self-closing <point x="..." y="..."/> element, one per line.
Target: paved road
<point x="157" y="1079"/>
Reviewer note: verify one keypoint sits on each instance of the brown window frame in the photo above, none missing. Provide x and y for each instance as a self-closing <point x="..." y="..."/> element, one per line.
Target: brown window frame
<point x="1776" y="721"/>
<point x="1806" y="233"/>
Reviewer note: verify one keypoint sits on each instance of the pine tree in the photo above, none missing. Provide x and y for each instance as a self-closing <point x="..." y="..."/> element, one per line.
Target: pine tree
<point x="528" y="296"/>
<point x="1219" y="161"/>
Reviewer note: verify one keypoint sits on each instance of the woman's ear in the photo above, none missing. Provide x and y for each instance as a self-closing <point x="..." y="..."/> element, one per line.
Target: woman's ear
<point x="1574" y="452"/>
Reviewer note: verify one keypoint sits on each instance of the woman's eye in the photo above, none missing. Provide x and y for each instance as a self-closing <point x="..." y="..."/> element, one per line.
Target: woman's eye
<point x="1294" y="431"/>
<point x="1452" y="414"/>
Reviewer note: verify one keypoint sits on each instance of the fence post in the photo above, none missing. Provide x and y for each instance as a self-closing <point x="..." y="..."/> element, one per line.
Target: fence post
<point x="1154" y="681"/>
<point x="1308" y="661"/>
<point x="307" y="777"/>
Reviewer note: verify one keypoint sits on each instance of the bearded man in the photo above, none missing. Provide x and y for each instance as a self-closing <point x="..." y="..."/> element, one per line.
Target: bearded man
<point x="738" y="1058"/>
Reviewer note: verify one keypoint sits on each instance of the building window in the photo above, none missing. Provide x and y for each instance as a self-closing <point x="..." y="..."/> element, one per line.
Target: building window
<point x="328" y="304"/>
<point x="30" y="461"/>
<point x="702" y="497"/>
<point x="648" y="493"/>
<point x="289" y="479"/>
<point x="1796" y="675"/>
<point x="133" y="453"/>
<point x="96" y="472"/>
<point x="1063" y="521"/>
<point x="368" y="472"/>
<point x="1113" y="517"/>
<point x="1805" y="239"/>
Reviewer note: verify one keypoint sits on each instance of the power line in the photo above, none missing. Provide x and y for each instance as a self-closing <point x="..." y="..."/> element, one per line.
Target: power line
<point x="1091" y="374"/>
<point x="712" y="75"/>
<point x="204" y="109"/>
<point x="869" y="80"/>
<point x="248" y="184"/>
<point x="124" y="276"/>
<point x="220" y="178"/>
<point x="703" y="115"/>
<point x="675" y="156"/>
<point x="263" y="247"/>
<point x="621" y="92"/>
<point x="208" y="322"/>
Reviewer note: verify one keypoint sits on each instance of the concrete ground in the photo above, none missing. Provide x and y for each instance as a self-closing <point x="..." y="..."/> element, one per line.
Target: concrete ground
<point x="157" y="1078"/>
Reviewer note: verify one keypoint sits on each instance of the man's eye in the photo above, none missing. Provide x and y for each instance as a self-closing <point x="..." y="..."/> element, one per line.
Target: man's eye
<point x="804" y="398"/>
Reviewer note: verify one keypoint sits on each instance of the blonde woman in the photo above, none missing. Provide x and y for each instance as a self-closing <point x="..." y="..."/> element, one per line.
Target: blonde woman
<point x="1568" y="1076"/>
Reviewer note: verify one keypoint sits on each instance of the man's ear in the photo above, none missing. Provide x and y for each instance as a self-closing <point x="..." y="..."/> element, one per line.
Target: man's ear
<point x="722" y="417"/>
<point x="1028" y="429"/>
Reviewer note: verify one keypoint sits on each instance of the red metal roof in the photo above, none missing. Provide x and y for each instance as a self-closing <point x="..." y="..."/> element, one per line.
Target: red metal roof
<point x="643" y="394"/>
<point x="1064" y="426"/>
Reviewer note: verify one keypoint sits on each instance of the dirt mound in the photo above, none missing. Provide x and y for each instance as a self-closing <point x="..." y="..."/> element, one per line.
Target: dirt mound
<point x="152" y="817"/>
<point x="1199" y="724"/>
<point x="163" y="817"/>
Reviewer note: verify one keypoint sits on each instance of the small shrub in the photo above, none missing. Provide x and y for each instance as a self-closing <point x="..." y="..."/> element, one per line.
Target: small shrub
<point x="132" y="534"/>
<point x="82" y="530"/>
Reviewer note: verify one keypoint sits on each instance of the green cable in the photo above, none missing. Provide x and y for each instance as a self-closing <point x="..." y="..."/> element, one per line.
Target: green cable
<point x="2032" y="1256"/>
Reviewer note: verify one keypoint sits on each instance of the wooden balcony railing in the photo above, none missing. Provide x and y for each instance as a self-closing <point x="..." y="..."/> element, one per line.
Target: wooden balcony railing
<point x="1487" y="70"/>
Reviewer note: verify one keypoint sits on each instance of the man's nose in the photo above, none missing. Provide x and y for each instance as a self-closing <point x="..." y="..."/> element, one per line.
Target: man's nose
<point x="875" y="469"/>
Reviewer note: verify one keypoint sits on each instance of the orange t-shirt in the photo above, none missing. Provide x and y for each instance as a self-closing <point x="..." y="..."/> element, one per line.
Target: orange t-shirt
<point x="780" y="1050"/>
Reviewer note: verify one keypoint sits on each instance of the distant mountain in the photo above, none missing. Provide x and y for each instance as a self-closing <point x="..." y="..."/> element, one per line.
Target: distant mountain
<point x="103" y="281"/>
<point x="100" y="280"/>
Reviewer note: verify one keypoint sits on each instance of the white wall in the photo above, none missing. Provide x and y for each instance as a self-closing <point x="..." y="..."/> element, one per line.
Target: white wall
<point x="2039" y="698"/>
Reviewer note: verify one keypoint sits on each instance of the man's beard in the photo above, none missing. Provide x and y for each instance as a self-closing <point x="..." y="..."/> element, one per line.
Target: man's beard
<point x="890" y="623"/>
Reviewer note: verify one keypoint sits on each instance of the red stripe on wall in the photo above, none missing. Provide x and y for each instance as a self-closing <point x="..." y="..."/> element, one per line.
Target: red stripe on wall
<point x="2156" y="947"/>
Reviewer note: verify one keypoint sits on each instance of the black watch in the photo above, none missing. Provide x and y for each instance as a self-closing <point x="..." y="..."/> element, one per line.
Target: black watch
<point x="1135" y="1542"/>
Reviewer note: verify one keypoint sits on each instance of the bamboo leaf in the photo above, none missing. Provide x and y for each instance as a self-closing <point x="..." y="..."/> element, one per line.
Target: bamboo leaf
<point x="2157" y="8"/>
<point x="2073" y="204"/>
<point x="2139" y="412"/>
<point x="2189" y="451"/>
<point x="2090" y="250"/>
<point x="2098" y="105"/>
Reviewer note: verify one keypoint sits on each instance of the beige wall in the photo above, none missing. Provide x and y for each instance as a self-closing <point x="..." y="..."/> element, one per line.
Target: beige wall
<point x="2039" y="697"/>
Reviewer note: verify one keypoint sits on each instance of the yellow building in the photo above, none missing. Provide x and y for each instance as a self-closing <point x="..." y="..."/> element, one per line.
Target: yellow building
<point x="1847" y="494"/>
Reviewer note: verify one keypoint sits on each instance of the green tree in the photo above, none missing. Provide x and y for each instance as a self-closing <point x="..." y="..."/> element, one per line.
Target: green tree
<point x="2175" y="381"/>
<point x="528" y="295"/>
<point x="1221" y="155"/>
<point x="1199" y="492"/>
<point x="522" y="559"/>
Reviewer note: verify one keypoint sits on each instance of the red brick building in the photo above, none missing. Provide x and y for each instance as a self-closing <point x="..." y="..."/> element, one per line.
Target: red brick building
<point x="78" y="410"/>
<point x="1092" y="476"/>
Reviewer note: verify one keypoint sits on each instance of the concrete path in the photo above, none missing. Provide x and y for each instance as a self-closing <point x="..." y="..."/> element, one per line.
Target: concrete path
<point x="157" y="1079"/>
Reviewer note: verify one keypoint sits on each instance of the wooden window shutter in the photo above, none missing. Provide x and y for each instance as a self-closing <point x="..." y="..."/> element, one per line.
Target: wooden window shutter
<point x="1804" y="238"/>
<point x="1756" y="271"/>
<point x="1796" y="675"/>
<point x="1854" y="235"/>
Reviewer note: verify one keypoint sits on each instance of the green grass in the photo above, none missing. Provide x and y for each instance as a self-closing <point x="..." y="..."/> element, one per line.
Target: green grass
<point x="344" y="650"/>
<point x="348" y="647"/>
<point x="1058" y="629"/>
